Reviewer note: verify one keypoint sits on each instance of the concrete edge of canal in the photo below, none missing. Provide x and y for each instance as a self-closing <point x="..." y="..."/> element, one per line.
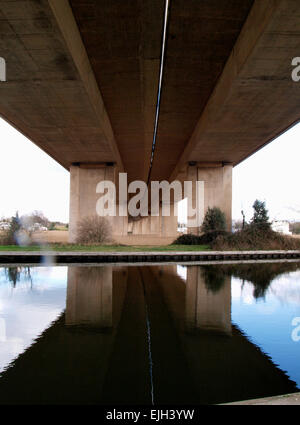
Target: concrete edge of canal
<point x="282" y="400"/>
<point x="144" y="257"/>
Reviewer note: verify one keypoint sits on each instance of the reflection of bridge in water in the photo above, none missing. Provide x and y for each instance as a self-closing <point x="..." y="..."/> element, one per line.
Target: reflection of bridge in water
<point x="89" y="297"/>
<point x="98" y="351"/>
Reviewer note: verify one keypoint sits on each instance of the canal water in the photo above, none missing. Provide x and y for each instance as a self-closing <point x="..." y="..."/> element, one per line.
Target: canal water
<point x="149" y="335"/>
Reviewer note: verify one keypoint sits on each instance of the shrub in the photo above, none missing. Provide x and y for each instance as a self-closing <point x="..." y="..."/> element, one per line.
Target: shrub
<point x="187" y="239"/>
<point x="210" y="237"/>
<point x="255" y="237"/>
<point x="52" y="226"/>
<point x="93" y="230"/>
<point x="206" y="238"/>
<point x="214" y="220"/>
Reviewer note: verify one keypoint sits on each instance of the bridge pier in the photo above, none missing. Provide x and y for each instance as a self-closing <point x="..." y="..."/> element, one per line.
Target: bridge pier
<point x="217" y="190"/>
<point x="83" y="197"/>
<point x="160" y="226"/>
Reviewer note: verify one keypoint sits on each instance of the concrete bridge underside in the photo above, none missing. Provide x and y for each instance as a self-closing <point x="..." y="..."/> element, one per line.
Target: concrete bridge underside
<point x="82" y="80"/>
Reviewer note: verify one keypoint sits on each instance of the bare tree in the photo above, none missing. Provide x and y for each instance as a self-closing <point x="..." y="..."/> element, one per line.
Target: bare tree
<point x="93" y="230"/>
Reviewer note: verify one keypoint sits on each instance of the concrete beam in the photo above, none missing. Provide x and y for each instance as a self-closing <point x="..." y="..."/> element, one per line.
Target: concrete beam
<point x="70" y="32"/>
<point x="231" y="123"/>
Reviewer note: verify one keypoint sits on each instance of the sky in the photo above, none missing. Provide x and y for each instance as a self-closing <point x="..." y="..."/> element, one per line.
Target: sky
<point x="29" y="308"/>
<point x="31" y="180"/>
<point x="271" y="175"/>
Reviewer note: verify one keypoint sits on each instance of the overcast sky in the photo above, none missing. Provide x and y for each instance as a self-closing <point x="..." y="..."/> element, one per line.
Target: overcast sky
<point x="30" y="180"/>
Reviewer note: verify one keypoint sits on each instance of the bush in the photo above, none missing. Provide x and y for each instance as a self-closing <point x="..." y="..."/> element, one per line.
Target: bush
<point x="52" y="226"/>
<point x="205" y="239"/>
<point x="214" y="220"/>
<point x="255" y="237"/>
<point x="187" y="239"/>
<point x="93" y="230"/>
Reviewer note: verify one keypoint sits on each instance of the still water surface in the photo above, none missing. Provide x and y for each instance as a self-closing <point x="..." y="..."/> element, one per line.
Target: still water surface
<point x="165" y="334"/>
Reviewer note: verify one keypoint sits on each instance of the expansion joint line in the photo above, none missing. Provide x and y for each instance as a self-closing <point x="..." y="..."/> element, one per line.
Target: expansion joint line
<point x="148" y="329"/>
<point x="161" y="71"/>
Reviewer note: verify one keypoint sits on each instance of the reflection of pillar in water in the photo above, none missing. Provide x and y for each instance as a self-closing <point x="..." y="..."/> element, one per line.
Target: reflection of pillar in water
<point x="207" y="309"/>
<point x="89" y="296"/>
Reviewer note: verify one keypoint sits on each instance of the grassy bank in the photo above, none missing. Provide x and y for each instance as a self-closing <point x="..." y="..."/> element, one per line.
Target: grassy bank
<point x="106" y="248"/>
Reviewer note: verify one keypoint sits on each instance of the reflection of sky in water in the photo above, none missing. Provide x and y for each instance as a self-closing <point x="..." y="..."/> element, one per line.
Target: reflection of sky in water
<point x="268" y="321"/>
<point x="29" y="308"/>
<point x="181" y="271"/>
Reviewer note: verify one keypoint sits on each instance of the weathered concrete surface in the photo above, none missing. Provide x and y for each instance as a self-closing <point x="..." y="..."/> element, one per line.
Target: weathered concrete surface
<point x="84" y="197"/>
<point x="123" y="42"/>
<point x="217" y="192"/>
<point x="255" y="98"/>
<point x="145" y="240"/>
<point x="61" y="236"/>
<point x="153" y="228"/>
<point x="47" y="95"/>
<point x="283" y="400"/>
<point x="82" y="79"/>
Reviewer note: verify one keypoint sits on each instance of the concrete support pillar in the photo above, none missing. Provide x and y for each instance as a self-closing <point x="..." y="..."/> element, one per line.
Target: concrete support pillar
<point x="169" y="224"/>
<point x="83" y="197"/>
<point x="89" y="296"/>
<point x="83" y="201"/>
<point x="207" y="308"/>
<point x="217" y="189"/>
<point x="160" y="226"/>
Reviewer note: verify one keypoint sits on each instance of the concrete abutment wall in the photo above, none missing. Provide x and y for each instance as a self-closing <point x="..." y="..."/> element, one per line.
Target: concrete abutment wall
<point x="216" y="184"/>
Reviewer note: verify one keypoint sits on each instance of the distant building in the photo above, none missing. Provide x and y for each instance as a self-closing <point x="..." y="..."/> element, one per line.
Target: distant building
<point x="37" y="227"/>
<point x="182" y="227"/>
<point x="281" y="227"/>
<point x="4" y="225"/>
